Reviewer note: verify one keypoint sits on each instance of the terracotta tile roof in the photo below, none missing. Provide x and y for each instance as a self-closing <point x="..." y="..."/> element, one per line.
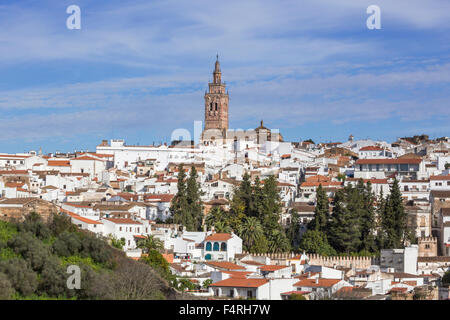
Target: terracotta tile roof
<point x="218" y="237"/>
<point x="18" y="200"/>
<point x="58" y="163"/>
<point x="13" y="172"/>
<point x="401" y="275"/>
<point x="372" y="181"/>
<point x="165" y="197"/>
<point x="240" y="283"/>
<point x="14" y="184"/>
<point x="371" y="148"/>
<point x="388" y="161"/>
<point x="434" y="259"/>
<point x="85" y="158"/>
<point x="294" y="292"/>
<point x="252" y="263"/>
<point x="440" y="193"/>
<point x="324" y="184"/>
<point x="123" y="221"/>
<point x="271" y="268"/>
<point x="80" y="218"/>
<point x="317" y="178"/>
<point x="321" y="283"/>
<point x="447" y="177"/>
<point x="224" y="265"/>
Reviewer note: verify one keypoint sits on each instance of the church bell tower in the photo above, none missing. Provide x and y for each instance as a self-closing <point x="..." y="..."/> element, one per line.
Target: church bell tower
<point x="216" y="103"/>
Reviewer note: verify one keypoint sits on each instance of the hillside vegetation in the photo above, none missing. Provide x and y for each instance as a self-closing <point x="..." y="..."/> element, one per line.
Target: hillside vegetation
<point x="34" y="257"/>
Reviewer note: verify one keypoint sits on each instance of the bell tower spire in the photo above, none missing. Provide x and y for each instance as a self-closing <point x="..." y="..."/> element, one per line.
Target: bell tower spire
<point x="216" y="102"/>
<point x="217" y="74"/>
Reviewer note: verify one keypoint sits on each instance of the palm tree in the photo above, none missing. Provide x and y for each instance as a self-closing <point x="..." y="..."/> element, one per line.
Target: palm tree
<point x="250" y="231"/>
<point x="151" y="243"/>
<point x="222" y="227"/>
<point x="278" y="242"/>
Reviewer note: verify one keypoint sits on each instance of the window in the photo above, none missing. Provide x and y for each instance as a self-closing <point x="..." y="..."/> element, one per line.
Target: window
<point x="223" y="246"/>
<point x="210" y="106"/>
<point x="120" y="228"/>
<point x="216" y="106"/>
<point x="250" y="294"/>
<point x="216" y="246"/>
<point x="208" y="246"/>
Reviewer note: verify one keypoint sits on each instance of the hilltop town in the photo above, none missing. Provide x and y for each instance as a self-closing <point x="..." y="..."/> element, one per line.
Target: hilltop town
<point x="244" y="214"/>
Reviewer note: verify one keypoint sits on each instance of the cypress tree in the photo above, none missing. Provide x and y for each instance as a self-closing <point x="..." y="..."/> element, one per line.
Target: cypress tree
<point x="272" y="205"/>
<point x="367" y="221"/>
<point x="394" y="219"/>
<point x="345" y="233"/>
<point x="321" y="211"/>
<point x="194" y="202"/>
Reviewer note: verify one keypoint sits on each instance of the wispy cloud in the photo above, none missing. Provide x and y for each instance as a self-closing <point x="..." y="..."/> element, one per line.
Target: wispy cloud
<point x="288" y="62"/>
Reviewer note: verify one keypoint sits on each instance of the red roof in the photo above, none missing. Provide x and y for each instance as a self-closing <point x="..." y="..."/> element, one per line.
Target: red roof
<point x="86" y="158"/>
<point x="271" y="268"/>
<point x="371" y="148"/>
<point x="388" y="161"/>
<point x="80" y="218"/>
<point x="294" y="292"/>
<point x="312" y="283"/>
<point x="218" y="237"/>
<point x="324" y="184"/>
<point x="13" y="172"/>
<point x="123" y="221"/>
<point x="224" y="265"/>
<point x="240" y="283"/>
<point x="14" y="184"/>
<point x="58" y="163"/>
<point x="447" y="177"/>
<point x="165" y="197"/>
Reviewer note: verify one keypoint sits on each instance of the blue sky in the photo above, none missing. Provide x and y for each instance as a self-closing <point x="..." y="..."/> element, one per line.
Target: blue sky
<point x="139" y="69"/>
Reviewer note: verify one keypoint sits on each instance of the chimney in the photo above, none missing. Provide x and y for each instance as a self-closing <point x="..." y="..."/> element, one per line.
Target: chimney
<point x="317" y="280"/>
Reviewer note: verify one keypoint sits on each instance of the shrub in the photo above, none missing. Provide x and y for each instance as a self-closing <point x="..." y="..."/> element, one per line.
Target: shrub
<point x="30" y="248"/>
<point x="67" y="244"/>
<point x="33" y="223"/>
<point x="22" y="278"/>
<point x="6" y="288"/>
<point x="59" y="223"/>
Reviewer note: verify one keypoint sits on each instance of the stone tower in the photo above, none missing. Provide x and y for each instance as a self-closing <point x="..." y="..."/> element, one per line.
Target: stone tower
<point x="216" y="103"/>
<point x="427" y="246"/>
